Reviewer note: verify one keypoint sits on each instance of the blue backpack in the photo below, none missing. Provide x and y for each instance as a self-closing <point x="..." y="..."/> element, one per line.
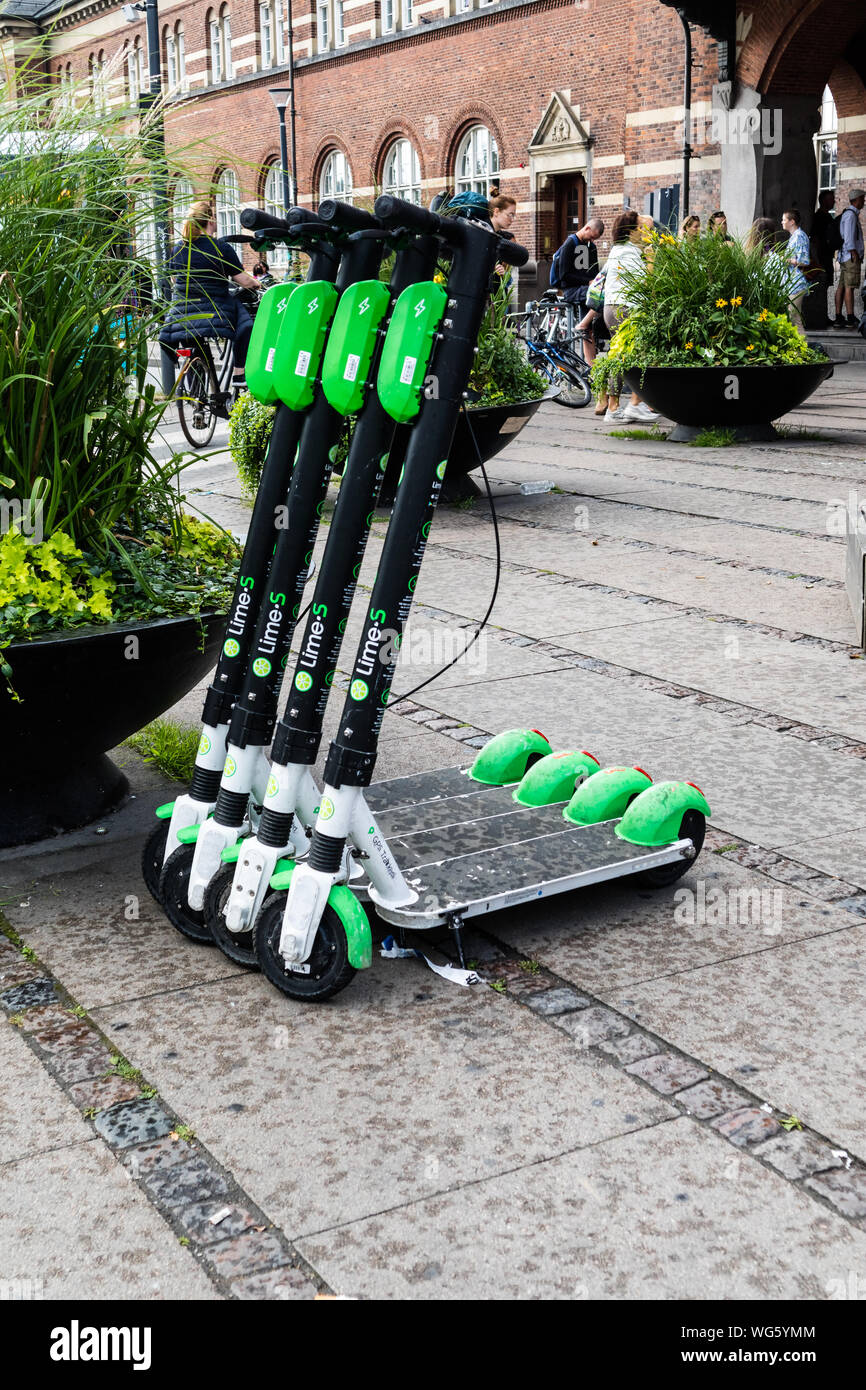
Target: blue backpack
<point x="556" y="263"/>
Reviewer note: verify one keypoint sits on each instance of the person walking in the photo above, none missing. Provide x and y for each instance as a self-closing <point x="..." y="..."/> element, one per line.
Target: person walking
<point x="625" y="259"/>
<point x="825" y="238"/>
<point x="850" y="258"/>
<point x="798" y="256"/>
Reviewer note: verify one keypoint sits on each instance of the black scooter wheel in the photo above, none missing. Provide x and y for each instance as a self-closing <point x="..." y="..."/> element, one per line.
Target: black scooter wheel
<point x="328" y="965"/>
<point x="237" y="945"/>
<point x="693" y="826"/>
<point x="153" y="858"/>
<point x="173" y="885"/>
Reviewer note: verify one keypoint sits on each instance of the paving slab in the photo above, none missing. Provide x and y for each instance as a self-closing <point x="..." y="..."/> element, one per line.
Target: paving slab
<point x="787" y="1014"/>
<point x="669" y="1212"/>
<point x="72" y="1219"/>
<point x="402" y="1086"/>
<point x="34" y="1113"/>
<point x="752" y="782"/>
<point x="843" y="853"/>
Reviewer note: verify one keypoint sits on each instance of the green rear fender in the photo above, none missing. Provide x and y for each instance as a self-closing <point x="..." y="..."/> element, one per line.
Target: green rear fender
<point x="508" y="756"/>
<point x="554" y="778"/>
<point x="347" y="908"/>
<point x="606" y="795"/>
<point x="654" y="818"/>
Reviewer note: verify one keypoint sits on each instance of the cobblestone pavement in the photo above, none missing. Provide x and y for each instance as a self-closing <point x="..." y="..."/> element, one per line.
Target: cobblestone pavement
<point x="652" y="1093"/>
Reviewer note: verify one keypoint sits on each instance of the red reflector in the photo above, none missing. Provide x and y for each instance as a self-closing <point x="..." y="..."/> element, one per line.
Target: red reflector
<point x="695" y="785"/>
<point x="587" y="754"/>
<point x="540" y="734"/>
<point x="184" y="352"/>
<point x="640" y="769"/>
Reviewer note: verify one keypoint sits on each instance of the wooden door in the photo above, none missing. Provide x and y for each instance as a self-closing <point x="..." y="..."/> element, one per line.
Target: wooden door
<point x="570" y="205"/>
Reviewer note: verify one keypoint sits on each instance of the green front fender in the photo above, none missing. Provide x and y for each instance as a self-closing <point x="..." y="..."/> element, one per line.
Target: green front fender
<point x="347" y="907"/>
<point x="654" y="817"/>
<point x="553" y="778"/>
<point x="606" y="795"/>
<point x="507" y="756"/>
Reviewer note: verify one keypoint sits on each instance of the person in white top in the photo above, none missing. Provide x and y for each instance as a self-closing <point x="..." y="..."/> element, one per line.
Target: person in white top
<point x="625" y="257"/>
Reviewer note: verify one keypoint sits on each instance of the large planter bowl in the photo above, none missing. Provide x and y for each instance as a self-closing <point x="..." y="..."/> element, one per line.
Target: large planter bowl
<point x="743" y="399"/>
<point x="82" y="693"/>
<point x="493" y="426"/>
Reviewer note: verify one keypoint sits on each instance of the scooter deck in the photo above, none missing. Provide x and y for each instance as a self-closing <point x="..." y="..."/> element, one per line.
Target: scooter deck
<point x="471" y="849"/>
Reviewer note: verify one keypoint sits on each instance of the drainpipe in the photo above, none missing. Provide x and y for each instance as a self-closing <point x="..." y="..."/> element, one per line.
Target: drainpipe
<point x="687" y="113"/>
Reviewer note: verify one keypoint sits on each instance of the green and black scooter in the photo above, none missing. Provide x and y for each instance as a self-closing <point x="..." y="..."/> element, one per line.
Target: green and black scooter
<point x="282" y="366"/>
<point x="524" y="822"/>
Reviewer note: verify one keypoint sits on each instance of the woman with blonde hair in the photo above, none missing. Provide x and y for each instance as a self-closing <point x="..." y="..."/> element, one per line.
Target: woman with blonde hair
<point x="691" y="228"/>
<point x="625" y="259"/>
<point x="204" y="265"/>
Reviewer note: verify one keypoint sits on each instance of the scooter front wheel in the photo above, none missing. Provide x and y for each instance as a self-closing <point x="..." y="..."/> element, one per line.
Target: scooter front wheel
<point x="173" y="887"/>
<point x="693" y="827"/>
<point x="327" y="970"/>
<point x="237" y="945"/>
<point x="153" y="858"/>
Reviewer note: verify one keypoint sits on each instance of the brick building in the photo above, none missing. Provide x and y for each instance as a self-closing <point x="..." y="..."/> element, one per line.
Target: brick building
<point x="571" y="105"/>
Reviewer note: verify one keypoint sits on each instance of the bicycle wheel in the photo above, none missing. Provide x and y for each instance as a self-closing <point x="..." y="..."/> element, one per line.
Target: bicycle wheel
<point x="196" y="399"/>
<point x="575" y="390"/>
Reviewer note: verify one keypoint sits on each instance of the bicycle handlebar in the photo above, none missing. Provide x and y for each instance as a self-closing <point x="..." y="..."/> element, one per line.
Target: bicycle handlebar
<point x="396" y="212"/>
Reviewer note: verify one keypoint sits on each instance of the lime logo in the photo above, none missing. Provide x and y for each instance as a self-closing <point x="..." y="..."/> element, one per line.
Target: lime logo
<point x="363" y="306"/>
<point x="326" y="810"/>
<point x="261" y="666"/>
<point x="273" y="787"/>
<point x="425" y="529"/>
<point x="230" y="768"/>
<point x="313" y="305"/>
<point x="342" y="624"/>
<point x="329" y="678"/>
<point x="355" y="571"/>
<point x="359" y="690"/>
<point x="284" y="662"/>
<point x="385" y="693"/>
<point x="282" y="305"/>
<point x="332" y="455"/>
<point x="440" y="470"/>
<point x="383" y="463"/>
<point x="204" y="745"/>
<point x="412" y="582"/>
<point x="303" y="681"/>
<point x="231" y="647"/>
<point x="419" y="308"/>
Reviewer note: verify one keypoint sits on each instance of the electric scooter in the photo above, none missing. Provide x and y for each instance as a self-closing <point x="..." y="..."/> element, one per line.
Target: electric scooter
<point x="236" y="892"/>
<point x="312" y="312"/>
<point x="468" y="842"/>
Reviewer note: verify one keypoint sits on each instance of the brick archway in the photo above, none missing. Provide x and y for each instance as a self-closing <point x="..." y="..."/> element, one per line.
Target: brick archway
<point x="794" y="45"/>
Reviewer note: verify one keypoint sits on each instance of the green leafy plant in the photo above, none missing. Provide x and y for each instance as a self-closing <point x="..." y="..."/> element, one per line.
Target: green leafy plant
<point x="703" y="302"/>
<point x="171" y="747"/>
<point x="250" y="425"/>
<point x="655" y="435"/>
<point x="501" y="374"/>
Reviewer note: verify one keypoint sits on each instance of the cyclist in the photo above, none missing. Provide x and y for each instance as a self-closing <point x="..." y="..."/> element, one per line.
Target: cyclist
<point x="204" y="265"/>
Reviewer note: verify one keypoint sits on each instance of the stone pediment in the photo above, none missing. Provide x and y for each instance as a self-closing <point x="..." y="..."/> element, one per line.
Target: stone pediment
<point x="560" y="128"/>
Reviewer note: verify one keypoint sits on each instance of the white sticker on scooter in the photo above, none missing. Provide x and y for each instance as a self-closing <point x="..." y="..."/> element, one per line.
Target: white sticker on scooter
<point x="269" y="360"/>
<point x="409" y="365"/>
<point x="302" y="364"/>
<point x="353" y="362"/>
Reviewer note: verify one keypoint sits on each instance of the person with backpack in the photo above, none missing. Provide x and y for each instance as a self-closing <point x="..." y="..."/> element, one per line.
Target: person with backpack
<point x="825" y="235"/>
<point x="575" y="263"/>
<point x="850" y="258"/>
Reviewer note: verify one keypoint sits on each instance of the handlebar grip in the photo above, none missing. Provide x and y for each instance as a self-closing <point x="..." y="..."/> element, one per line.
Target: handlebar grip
<point x="346" y="217"/>
<point x="512" y="253"/>
<point x="264" y="225"/>
<point x="397" y="212"/>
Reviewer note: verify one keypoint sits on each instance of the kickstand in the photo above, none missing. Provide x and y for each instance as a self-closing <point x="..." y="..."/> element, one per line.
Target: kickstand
<point x="455" y="925"/>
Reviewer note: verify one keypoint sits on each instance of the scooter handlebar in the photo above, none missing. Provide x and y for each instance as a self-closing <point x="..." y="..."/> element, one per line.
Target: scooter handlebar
<point x="512" y="253"/>
<point x="269" y="228"/>
<point x="410" y="215"/>
<point x="346" y="217"/>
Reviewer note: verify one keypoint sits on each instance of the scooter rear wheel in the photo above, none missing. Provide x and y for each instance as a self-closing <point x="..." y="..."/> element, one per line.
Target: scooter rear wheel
<point x="693" y="826"/>
<point x="237" y="945"/>
<point x="173" y="886"/>
<point x="329" y="968"/>
<point x="153" y="858"/>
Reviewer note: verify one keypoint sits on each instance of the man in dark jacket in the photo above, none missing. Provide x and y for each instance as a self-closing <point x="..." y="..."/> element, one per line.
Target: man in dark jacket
<point x="579" y="263"/>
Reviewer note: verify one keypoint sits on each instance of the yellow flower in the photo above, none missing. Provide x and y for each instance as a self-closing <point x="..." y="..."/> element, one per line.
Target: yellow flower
<point x="763" y="315"/>
<point x="438" y="278"/>
<point x="738" y="299"/>
<point x="64" y="193"/>
<point x="689" y="345"/>
<point x="670" y="239"/>
<point x="721" y="303"/>
<point x="750" y="347"/>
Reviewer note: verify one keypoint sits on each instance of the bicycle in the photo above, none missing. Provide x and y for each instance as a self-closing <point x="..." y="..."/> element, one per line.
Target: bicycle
<point x="549" y="341"/>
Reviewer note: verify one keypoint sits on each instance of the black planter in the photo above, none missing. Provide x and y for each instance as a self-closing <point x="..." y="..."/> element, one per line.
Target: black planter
<point x="493" y="427"/>
<point x="82" y="693"/>
<point x="743" y="399"/>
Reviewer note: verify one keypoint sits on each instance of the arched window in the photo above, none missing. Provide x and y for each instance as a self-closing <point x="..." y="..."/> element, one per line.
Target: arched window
<point x="272" y="201"/>
<point x="98" y="68"/>
<point x="403" y="172"/>
<point x="227" y="204"/>
<point x="219" y="28"/>
<point x="826" y="142"/>
<point x="182" y="199"/>
<point x="336" y="180"/>
<point x="477" y="162"/>
<point x="135" y="82"/>
<point x="272" y="33"/>
<point x="175" y="57"/>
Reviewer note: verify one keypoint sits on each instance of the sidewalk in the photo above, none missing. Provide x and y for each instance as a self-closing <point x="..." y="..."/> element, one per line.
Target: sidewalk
<point x="604" y="1122"/>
